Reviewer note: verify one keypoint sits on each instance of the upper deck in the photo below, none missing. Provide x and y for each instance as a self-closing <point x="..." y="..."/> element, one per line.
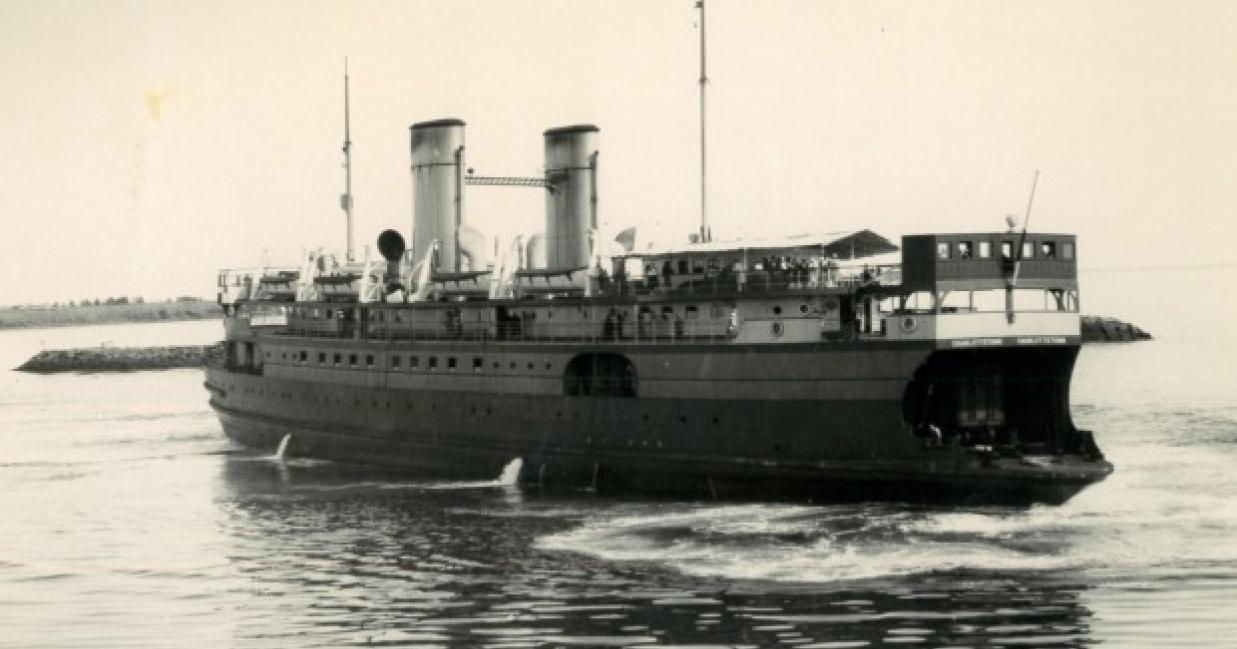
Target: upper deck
<point x="945" y="288"/>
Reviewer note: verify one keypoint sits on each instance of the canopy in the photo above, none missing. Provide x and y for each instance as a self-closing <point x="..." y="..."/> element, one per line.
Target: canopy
<point x="852" y="244"/>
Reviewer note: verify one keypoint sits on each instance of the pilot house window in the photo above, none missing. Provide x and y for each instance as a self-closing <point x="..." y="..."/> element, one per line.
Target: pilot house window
<point x="942" y="250"/>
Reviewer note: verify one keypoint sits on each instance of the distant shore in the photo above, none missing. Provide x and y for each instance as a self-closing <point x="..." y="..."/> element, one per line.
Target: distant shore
<point x="26" y="317"/>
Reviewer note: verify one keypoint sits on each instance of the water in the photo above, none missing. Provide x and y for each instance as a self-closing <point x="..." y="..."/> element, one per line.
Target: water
<point x="129" y="521"/>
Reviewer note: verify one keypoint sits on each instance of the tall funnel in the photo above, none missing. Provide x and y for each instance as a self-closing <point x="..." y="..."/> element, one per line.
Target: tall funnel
<point x="438" y="189"/>
<point x="571" y="208"/>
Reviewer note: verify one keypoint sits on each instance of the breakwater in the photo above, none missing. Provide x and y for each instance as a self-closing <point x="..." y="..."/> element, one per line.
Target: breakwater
<point x="1096" y="329"/>
<point x="120" y="359"/>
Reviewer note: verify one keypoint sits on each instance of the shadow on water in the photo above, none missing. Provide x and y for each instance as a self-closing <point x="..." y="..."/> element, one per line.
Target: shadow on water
<point x="341" y="555"/>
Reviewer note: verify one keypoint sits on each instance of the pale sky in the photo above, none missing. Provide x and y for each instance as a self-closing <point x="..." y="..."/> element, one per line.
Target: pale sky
<point x="150" y="143"/>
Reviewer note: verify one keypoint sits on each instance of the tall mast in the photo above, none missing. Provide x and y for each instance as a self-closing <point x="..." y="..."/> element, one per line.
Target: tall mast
<point x="345" y="200"/>
<point x="706" y="233"/>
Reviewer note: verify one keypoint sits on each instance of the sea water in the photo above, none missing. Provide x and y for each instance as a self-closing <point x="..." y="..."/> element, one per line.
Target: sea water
<point x="128" y="520"/>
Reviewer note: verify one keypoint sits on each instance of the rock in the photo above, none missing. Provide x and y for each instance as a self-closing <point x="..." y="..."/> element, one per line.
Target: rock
<point x="1096" y="329"/>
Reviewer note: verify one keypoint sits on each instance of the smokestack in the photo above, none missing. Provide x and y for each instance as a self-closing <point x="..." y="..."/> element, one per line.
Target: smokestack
<point x="571" y="208"/>
<point x="438" y="189"/>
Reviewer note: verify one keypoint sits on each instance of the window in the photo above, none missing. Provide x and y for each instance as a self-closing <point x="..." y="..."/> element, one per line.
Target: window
<point x="395" y="362"/>
<point x="964" y="250"/>
<point x="451" y="363"/>
<point x="1028" y="250"/>
<point x="321" y="358"/>
<point x="433" y="362"/>
<point x="1007" y="250"/>
<point x="339" y="358"/>
<point x="682" y="266"/>
<point x="369" y="360"/>
<point x="304" y="356"/>
<point x="329" y="314"/>
<point x="985" y="249"/>
<point x="942" y="250"/>
<point x="352" y="359"/>
<point x="477" y="364"/>
<point x="414" y="362"/>
<point x="1048" y="250"/>
<point x="1067" y="250"/>
<point x="777" y="310"/>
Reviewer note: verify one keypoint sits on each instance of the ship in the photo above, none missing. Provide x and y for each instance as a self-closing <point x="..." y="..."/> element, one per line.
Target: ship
<point x="834" y="366"/>
<point x="822" y="367"/>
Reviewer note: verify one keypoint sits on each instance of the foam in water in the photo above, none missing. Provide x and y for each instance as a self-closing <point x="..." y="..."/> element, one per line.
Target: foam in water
<point x="511" y="473"/>
<point x="803" y="544"/>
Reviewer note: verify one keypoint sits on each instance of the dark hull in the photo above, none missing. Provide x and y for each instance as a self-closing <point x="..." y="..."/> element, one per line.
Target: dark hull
<point x="789" y="449"/>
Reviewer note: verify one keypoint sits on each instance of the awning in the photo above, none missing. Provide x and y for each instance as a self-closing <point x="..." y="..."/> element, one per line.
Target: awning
<point x="853" y="244"/>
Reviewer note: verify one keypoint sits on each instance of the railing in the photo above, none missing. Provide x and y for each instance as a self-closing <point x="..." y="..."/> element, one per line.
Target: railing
<point x="598" y="327"/>
<point x="841" y="278"/>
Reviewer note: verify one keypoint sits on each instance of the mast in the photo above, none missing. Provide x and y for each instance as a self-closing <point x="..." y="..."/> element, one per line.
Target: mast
<point x="1026" y="222"/>
<point x="706" y="234"/>
<point x="345" y="199"/>
<point x="1014" y="265"/>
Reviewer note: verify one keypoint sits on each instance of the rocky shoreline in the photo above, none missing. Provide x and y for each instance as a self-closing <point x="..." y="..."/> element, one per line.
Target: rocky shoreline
<point x="120" y="359"/>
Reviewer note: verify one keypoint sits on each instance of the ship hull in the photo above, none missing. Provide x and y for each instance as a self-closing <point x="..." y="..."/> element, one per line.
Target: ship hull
<point x="801" y="449"/>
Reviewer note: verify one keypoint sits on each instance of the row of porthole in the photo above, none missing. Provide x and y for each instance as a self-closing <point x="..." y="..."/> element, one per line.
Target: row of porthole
<point x="396" y="362"/>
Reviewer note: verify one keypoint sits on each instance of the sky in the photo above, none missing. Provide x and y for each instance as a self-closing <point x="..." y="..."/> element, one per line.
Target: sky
<point x="149" y="144"/>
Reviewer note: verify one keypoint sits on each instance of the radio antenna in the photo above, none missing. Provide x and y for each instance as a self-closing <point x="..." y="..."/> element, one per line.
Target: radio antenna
<point x="345" y="199"/>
